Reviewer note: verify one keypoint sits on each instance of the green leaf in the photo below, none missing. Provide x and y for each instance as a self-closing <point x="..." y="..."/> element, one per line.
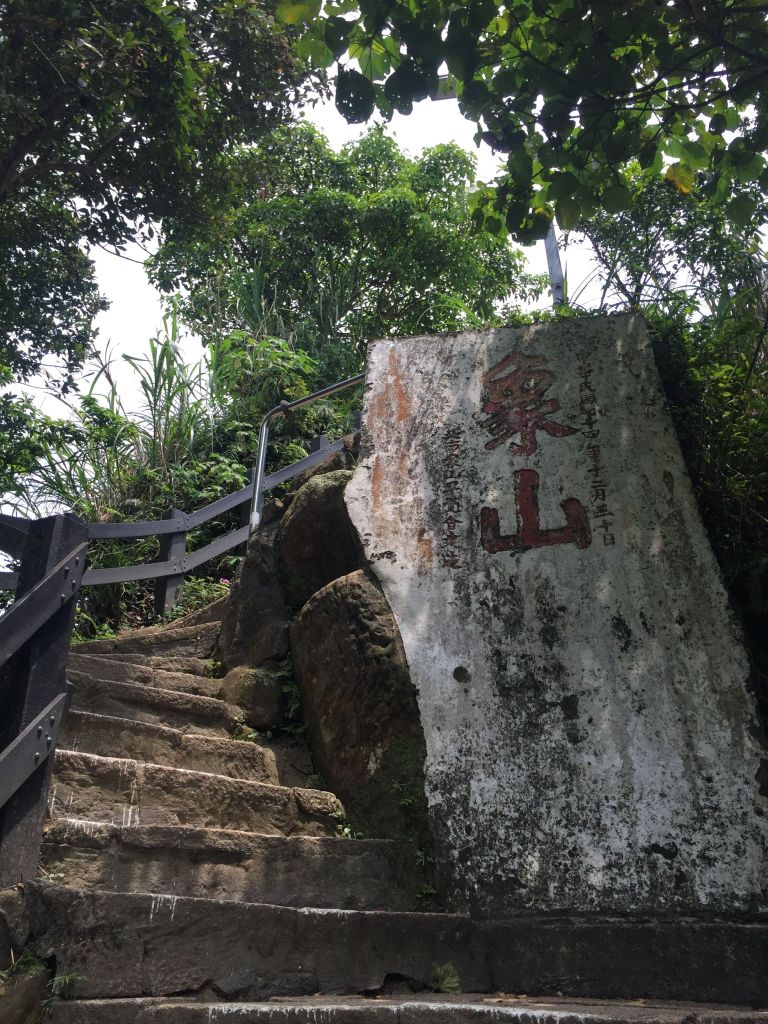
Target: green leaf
<point x="696" y="155"/>
<point x="717" y="124"/>
<point x="407" y="83"/>
<point x="315" y="51"/>
<point x="681" y="176"/>
<point x="296" y="12"/>
<point x="616" y="198"/>
<point x="741" y="210"/>
<point x="337" y="32"/>
<point x="562" y="185"/>
<point x="568" y="213"/>
<point x="354" y="96"/>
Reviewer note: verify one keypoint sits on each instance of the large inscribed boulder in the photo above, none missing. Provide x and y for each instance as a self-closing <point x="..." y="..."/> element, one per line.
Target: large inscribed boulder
<point x="591" y="741"/>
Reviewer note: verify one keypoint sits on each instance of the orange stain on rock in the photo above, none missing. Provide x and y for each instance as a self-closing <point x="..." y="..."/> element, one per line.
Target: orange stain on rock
<point x="402" y="405"/>
<point x="376" y="484"/>
<point x="391" y="402"/>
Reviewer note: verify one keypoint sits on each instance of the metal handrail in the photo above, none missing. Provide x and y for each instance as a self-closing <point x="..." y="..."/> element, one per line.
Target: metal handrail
<point x="284" y="409"/>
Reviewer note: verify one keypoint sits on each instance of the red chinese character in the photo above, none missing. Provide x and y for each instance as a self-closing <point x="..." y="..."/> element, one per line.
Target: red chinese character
<point x="529" y="532"/>
<point x="516" y="404"/>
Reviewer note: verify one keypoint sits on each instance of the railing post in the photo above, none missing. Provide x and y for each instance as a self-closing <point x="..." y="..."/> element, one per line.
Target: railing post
<point x="173" y="547"/>
<point x="245" y="508"/>
<point x="33" y="678"/>
<point x="317" y="443"/>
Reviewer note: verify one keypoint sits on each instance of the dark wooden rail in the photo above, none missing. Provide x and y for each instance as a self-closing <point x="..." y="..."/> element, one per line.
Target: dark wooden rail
<point x="34" y="643"/>
<point x="175" y="561"/>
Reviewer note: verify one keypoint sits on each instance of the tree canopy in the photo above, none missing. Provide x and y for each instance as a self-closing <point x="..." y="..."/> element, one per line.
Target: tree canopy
<point x="339" y="248"/>
<point x="568" y="90"/>
<point x="112" y="116"/>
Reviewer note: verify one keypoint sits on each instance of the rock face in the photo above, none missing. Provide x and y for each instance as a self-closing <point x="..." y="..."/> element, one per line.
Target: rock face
<point x="316" y="543"/>
<point x="259" y="692"/>
<point x="302" y="588"/>
<point x="360" y="706"/>
<point x="591" y="743"/>
<point x="255" y="622"/>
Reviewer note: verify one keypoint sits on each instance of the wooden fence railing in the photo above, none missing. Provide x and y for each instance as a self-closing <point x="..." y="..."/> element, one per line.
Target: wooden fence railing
<point x="34" y="642"/>
<point x="35" y="632"/>
<point x="175" y="561"/>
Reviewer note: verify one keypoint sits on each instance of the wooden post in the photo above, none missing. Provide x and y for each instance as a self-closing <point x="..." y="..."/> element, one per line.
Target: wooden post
<point x="33" y="678"/>
<point x="173" y="547"/>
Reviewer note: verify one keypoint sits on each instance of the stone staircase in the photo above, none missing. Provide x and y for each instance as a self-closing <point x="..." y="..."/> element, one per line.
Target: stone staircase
<point x="180" y="860"/>
<point x="190" y="877"/>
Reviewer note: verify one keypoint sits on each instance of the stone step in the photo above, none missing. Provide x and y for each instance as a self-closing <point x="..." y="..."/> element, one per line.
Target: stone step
<point x="121" y="945"/>
<point x="226" y="865"/>
<point x="109" y="736"/>
<point x="127" y="792"/>
<point x="196" y="641"/>
<point x="127" y="667"/>
<point x="187" y="711"/>
<point x="92" y="670"/>
<point x="429" y="1008"/>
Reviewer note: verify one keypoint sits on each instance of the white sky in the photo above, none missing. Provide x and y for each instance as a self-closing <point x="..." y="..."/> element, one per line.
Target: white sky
<point x="135" y="313"/>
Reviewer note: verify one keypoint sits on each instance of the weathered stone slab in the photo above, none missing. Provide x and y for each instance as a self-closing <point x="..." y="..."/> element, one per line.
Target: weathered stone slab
<point x="222" y="864"/>
<point x="121" y="944"/>
<point x="591" y="744"/>
<point x="259" y="692"/>
<point x="120" y="791"/>
<point x="141" y="703"/>
<point x="195" y="641"/>
<point x="144" y="741"/>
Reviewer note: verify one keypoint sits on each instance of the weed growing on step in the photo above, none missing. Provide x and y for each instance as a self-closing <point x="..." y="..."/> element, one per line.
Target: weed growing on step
<point x="87" y="628"/>
<point x="345" y="830"/>
<point x="59" y="987"/>
<point x="28" y="965"/>
<point x="51" y="877"/>
<point x="445" y="978"/>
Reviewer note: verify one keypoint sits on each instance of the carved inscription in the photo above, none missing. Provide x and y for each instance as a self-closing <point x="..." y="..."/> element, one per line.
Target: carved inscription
<point x="529" y="532"/>
<point x="450" y="545"/>
<point x="516" y="403"/>
<point x="602" y="515"/>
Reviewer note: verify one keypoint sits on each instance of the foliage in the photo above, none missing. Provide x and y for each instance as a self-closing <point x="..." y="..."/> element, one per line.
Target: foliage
<point x="336" y="248"/>
<point x="112" y="116"/>
<point x="445" y="978"/>
<point x="48" y="293"/>
<point x="680" y="252"/>
<point x="25" y="439"/>
<point x="569" y="91"/>
<point x="198" y="592"/>
<point x="716" y="376"/>
<point x="191" y="441"/>
<point x="27" y="965"/>
<point x="701" y="280"/>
